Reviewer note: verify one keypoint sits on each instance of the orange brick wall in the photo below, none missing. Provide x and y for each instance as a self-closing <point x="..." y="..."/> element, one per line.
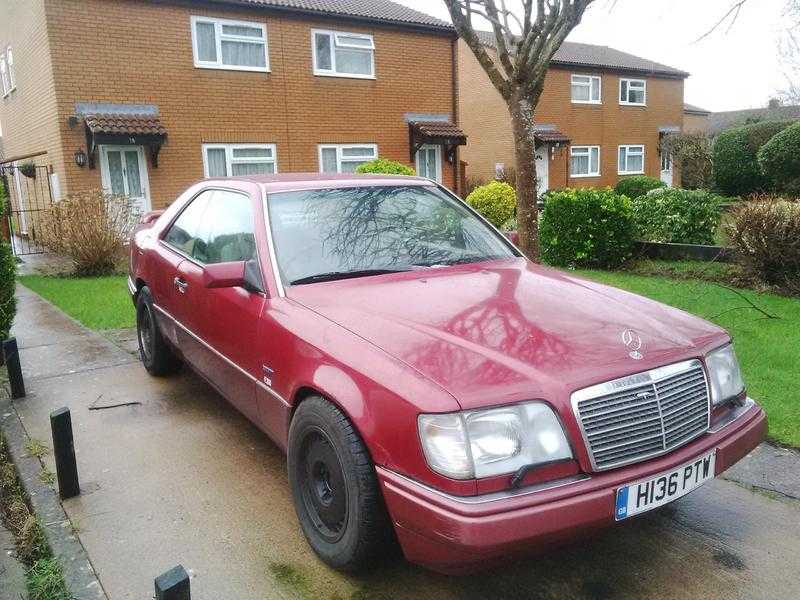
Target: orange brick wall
<point x="695" y="122"/>
<point x="131" y="51"/>
<point x="484" y="118"/>
<point x="28" y="114"/>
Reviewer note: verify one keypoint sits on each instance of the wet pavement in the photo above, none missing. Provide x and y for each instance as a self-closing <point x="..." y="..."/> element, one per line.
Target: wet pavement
<point x="12" y="572"/>
<point x="177" y="476"/>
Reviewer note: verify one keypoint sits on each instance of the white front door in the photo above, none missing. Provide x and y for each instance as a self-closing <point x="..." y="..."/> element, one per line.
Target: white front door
<point x="666" y="168"/>
<point x="123" y="170"/>
<point x="542" y="168"/>
<point x="429" y="162"/>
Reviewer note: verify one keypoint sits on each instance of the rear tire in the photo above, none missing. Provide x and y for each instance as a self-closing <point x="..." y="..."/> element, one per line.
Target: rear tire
<point x="335" y="489"/>
<point x="157" y="356"/>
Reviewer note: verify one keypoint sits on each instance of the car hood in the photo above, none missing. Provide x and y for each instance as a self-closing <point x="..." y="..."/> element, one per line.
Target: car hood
<point x="504" y="331"/>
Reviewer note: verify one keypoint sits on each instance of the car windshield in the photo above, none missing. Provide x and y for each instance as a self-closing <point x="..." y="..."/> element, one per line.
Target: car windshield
<point x="350" y="232"/>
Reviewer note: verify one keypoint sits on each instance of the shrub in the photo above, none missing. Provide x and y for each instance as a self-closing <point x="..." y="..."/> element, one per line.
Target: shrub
<point x="691" y="155"/>
<point x="91" y="228"/>
<point x="8" y="273"/>
<point x="472" y="182"/>
<point x="779" y="159"/>
<point x="677" y="216"/>
<point x="385" y="166"/>
<point x="637" y="185"/>
<point x="736" y="168"/>
<point x="586" y="228"/>
<point x="496" y="201"/>
<point x="766" y="235"/>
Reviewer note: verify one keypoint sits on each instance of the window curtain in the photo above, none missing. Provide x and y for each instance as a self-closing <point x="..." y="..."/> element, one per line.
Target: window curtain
<point x="217" y="166"/>
<point x="243" y="54"/>
<point x="206" y="42"/>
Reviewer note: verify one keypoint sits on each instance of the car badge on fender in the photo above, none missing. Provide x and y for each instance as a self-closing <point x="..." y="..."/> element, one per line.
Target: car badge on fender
<point x="633" y="342"/>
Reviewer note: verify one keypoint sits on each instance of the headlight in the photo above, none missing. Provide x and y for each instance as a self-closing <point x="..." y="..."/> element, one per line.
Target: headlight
<point x="482" y="443"/>
<point x="724" y="375"/>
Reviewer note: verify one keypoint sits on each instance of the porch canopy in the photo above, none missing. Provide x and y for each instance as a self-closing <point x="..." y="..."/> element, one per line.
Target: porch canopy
<point x="550" y="135"/>
<point x="120" y="129"/>
<point x="437" y="133"/>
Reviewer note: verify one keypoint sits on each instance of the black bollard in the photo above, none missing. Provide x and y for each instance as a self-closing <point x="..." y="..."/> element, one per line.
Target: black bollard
<point x="64" y="452"/>
<point x="11" y="357"/>
<point x="173" y="585"/>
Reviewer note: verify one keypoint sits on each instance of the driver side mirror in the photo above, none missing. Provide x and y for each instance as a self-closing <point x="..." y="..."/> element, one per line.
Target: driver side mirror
<point x="244" y="273"/>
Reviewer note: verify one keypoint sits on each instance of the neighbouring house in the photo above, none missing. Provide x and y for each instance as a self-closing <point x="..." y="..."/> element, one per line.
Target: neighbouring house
<point x="145" y="97"/>
<point x="719" y="121"/>
<point x="601" y="116"/>
<point x="695" y="119"/>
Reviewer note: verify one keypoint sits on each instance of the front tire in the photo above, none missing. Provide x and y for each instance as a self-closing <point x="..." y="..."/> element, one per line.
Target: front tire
<point x="157" y="357"/>
<point x="335" y="489"/>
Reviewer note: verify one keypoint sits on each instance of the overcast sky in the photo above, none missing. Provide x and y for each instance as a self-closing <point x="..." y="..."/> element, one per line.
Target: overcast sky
<point x="729" y="70"/>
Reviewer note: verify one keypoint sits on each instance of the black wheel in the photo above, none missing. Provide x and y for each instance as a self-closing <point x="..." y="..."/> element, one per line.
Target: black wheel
<point x="157" y="357"/>
<point x="335" y="490"/>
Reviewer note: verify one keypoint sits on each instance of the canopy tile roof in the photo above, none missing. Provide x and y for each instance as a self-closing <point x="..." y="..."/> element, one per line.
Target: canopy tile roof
<point x="369" y="10"/>
<point x="438" y="129"/>
<point x="551" y="135"/>
<point x="125" y="124"/>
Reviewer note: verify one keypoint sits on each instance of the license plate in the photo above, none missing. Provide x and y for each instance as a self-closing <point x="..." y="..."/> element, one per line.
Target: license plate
<point x="651" y="493"/>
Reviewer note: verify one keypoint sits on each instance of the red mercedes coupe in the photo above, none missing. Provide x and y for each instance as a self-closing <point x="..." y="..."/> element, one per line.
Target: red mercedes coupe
<point x="429" y="384"/>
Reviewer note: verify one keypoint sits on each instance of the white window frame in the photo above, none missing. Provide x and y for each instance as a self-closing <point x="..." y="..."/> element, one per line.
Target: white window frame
<point x="588" y="84"/>
<point x="230" y="160"/>
<point x="636" y="81"/>
<point x="5" y="76"/>
<point x="438" y="153"/>
<point x="339" y="148"/>
<point x="628" y="148"/>
<point x="218" y="37"/>
<point x="588" y="150"/>
<point x="332" y="72"/>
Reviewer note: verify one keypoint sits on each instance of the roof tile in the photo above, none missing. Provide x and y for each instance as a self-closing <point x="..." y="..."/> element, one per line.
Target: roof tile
<point x="125" y="124"/>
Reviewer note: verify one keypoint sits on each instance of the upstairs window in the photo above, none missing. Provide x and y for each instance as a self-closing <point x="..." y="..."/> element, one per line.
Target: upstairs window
<point x="234" y="45"/>
<point x="239" y="160"/>
<point x="633" y="91"/>
<point x="338" y="54"/>
<point x="584" y="161"/>
<point x="345" y="158"/>
<point x="631" y="160"/>
<point x="7" y="71"/>
<point x="585" y="89"/>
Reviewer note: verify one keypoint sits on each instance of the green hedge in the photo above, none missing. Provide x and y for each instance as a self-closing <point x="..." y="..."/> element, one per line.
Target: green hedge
<point x="496" y="201"/>
<point x="735" y="157"/>
<point x="586" y="227"/>
<point x="638" y="185"/>
<point x="779" y="159"/>
<point x="8" y="273"/>
<point x="385" y="166"/>
<point x="677" y="216"/>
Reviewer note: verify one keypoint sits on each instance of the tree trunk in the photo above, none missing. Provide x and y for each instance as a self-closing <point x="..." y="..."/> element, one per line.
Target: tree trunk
<point x="521" y="109"/>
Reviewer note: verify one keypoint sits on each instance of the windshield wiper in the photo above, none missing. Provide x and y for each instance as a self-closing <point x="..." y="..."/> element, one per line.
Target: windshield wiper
<point x="333" y="275"/>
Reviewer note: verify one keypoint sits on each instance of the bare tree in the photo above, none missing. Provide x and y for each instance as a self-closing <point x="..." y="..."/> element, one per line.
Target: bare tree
<point x="789" y="52"/>
<point x="524" y="42"/>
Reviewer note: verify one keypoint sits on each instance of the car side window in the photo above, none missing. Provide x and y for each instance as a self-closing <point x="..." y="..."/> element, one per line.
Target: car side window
<point x="227" y="234"/>
<point x="184" y="234"/>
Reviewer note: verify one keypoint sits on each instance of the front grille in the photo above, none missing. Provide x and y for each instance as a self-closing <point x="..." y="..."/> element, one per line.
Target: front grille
<point x="643" y="415"/>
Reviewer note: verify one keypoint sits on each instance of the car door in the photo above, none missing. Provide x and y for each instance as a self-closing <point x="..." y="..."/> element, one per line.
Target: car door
<point x="176" y="247"/>
<point x="222" y="323"/>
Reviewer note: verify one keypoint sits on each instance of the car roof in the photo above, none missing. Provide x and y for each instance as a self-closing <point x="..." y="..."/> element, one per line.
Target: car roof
<point x="283" y="182"/>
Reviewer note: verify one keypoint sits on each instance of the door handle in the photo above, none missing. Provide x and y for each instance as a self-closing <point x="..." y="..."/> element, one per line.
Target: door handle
<point x="180" y="284"/>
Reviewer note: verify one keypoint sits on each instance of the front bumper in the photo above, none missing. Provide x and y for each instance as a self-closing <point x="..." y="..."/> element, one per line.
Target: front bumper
<point x="454" y="534"/>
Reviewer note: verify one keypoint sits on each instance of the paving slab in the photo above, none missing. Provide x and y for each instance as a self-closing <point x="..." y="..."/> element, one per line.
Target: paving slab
<point x="770" y="468"/>
<point x="12" y="572"/>
<point x="176" y="475"/>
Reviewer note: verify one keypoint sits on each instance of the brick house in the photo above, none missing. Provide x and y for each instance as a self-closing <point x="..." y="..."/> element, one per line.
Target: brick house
<point x="154" y="95"/>
<point x="601" y="116"/>
<point x="695" y="119"/>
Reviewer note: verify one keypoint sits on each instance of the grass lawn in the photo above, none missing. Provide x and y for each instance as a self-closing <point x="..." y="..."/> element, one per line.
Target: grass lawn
<point x="97" y="302"/>
<point x="768" y="349"/>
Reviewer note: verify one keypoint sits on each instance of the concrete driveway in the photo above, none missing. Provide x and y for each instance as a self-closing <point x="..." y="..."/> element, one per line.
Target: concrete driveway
<point x="180" y="477"/>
